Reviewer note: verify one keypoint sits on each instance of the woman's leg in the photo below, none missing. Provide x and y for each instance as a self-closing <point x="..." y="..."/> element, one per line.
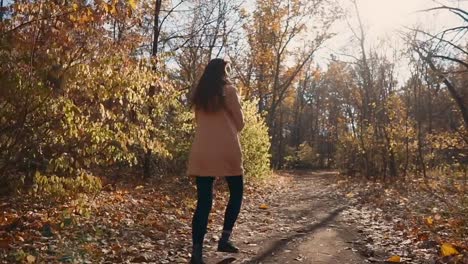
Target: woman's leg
<point x="236" y="192"/>
<point x="200" y="217"/>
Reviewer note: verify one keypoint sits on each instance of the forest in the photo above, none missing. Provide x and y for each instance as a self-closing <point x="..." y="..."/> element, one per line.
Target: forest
<point x="96" y="124"/>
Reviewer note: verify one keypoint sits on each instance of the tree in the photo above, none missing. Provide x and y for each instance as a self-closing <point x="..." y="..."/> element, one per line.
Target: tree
<point x="272" y="32"/>
<point x="442" y="48"/>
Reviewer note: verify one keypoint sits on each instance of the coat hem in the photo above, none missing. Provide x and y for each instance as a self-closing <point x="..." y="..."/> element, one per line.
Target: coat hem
<point x="215" y="175"/>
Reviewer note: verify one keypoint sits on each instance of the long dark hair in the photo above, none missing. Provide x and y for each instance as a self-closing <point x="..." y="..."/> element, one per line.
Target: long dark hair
<point x="208" y="94"/>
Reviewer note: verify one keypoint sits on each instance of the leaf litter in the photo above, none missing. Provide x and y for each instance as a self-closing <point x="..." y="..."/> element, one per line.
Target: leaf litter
<point x="403" y="223"/>
<point x="150" y="223"/>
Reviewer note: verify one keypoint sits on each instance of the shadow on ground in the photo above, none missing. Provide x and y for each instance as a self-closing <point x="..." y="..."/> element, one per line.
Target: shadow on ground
<point x="303" y="232"/>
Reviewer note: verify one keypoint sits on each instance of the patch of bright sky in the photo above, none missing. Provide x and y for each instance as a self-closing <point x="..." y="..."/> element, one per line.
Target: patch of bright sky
<point x="383" y="21"/>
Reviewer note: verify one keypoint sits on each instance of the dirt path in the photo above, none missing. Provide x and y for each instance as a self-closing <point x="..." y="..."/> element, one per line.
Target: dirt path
<point x="301" y="225"/>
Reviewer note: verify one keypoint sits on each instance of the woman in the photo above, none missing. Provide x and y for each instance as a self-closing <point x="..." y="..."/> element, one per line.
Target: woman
<point x="216" y="152"/>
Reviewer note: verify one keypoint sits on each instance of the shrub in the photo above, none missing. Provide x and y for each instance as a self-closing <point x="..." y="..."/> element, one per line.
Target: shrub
<point x="348" y="155"/>
<point x="59" y="188"/>
<point x="308" y="156"/>
<point x="304" y="157"/>
<point x="255" y="143"/>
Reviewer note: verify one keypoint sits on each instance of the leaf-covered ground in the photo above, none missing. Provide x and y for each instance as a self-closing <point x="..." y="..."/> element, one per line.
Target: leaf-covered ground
<point x="295" y="217"/>
<point x="406" y="220"/>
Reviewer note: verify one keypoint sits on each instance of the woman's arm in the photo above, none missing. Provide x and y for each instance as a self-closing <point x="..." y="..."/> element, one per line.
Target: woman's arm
<point x="233" y="106"/>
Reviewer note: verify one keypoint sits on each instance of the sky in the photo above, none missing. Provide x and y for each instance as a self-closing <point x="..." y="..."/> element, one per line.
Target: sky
<point x="387" y="15"/>
<point x="383" y="20"/>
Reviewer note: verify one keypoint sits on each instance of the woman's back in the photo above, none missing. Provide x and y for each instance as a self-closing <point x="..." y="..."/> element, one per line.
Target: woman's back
<point x="216" y="149"/>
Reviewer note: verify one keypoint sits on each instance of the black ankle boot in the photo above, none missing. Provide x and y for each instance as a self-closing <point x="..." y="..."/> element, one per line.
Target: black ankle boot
<point x="196" y="261"/>
<point x="224" y="245"/>
<point x="197" y="254"/>
<point x="227" y="246"/>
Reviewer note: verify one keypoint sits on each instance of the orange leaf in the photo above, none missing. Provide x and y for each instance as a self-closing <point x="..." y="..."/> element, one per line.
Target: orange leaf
<point x="394" y="259"/>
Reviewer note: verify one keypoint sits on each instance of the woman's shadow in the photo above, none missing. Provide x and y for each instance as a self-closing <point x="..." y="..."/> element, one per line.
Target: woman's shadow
<point x="226" y="260"/>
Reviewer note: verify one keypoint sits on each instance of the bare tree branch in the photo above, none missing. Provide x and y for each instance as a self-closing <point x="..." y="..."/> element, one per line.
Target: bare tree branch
<point x="460" y="12"/>
<point x="440" y="39"/>
<point x="450" y="59"/>
<point x="450" y="87"/>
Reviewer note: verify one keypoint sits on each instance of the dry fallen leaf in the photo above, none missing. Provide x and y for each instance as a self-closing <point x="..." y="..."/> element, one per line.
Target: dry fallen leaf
<point x="31" y="259"/>
<point x="394" y="259"/>
<point x="263" y="206"/>
<point x="5" y="243"/>
<point x="448" y="250"/>
<point x="429" y="221"/>
<point x="133" y="4"/>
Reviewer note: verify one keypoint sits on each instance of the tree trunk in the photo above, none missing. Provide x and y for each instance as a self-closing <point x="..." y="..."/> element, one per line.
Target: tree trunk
<point x="156" y="29"/>
<point x="450" y="87"/>
<point x="1" y="10"/>
<point x="147" y="168"/>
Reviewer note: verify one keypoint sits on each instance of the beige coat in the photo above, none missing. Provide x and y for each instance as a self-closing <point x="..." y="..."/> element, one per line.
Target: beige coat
<point x="216" y="149"/>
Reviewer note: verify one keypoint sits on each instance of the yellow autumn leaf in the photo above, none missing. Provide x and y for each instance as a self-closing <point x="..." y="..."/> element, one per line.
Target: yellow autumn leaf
<point x="75" y="7"/>
<point x="394" y="259"/>
<point x="263" y="206"/>
<point x="113" y="9"/>
<point x="429" y="221"/>
<point x="31" y="259"/>
<point x="448" y="250"/>
<point x="83" y="19"/>
<point x="132" y="3"/>
<point x="106" y="7"/>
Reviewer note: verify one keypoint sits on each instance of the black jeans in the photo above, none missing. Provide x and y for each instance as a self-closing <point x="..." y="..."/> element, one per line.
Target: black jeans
<point x="205" y="202"/>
